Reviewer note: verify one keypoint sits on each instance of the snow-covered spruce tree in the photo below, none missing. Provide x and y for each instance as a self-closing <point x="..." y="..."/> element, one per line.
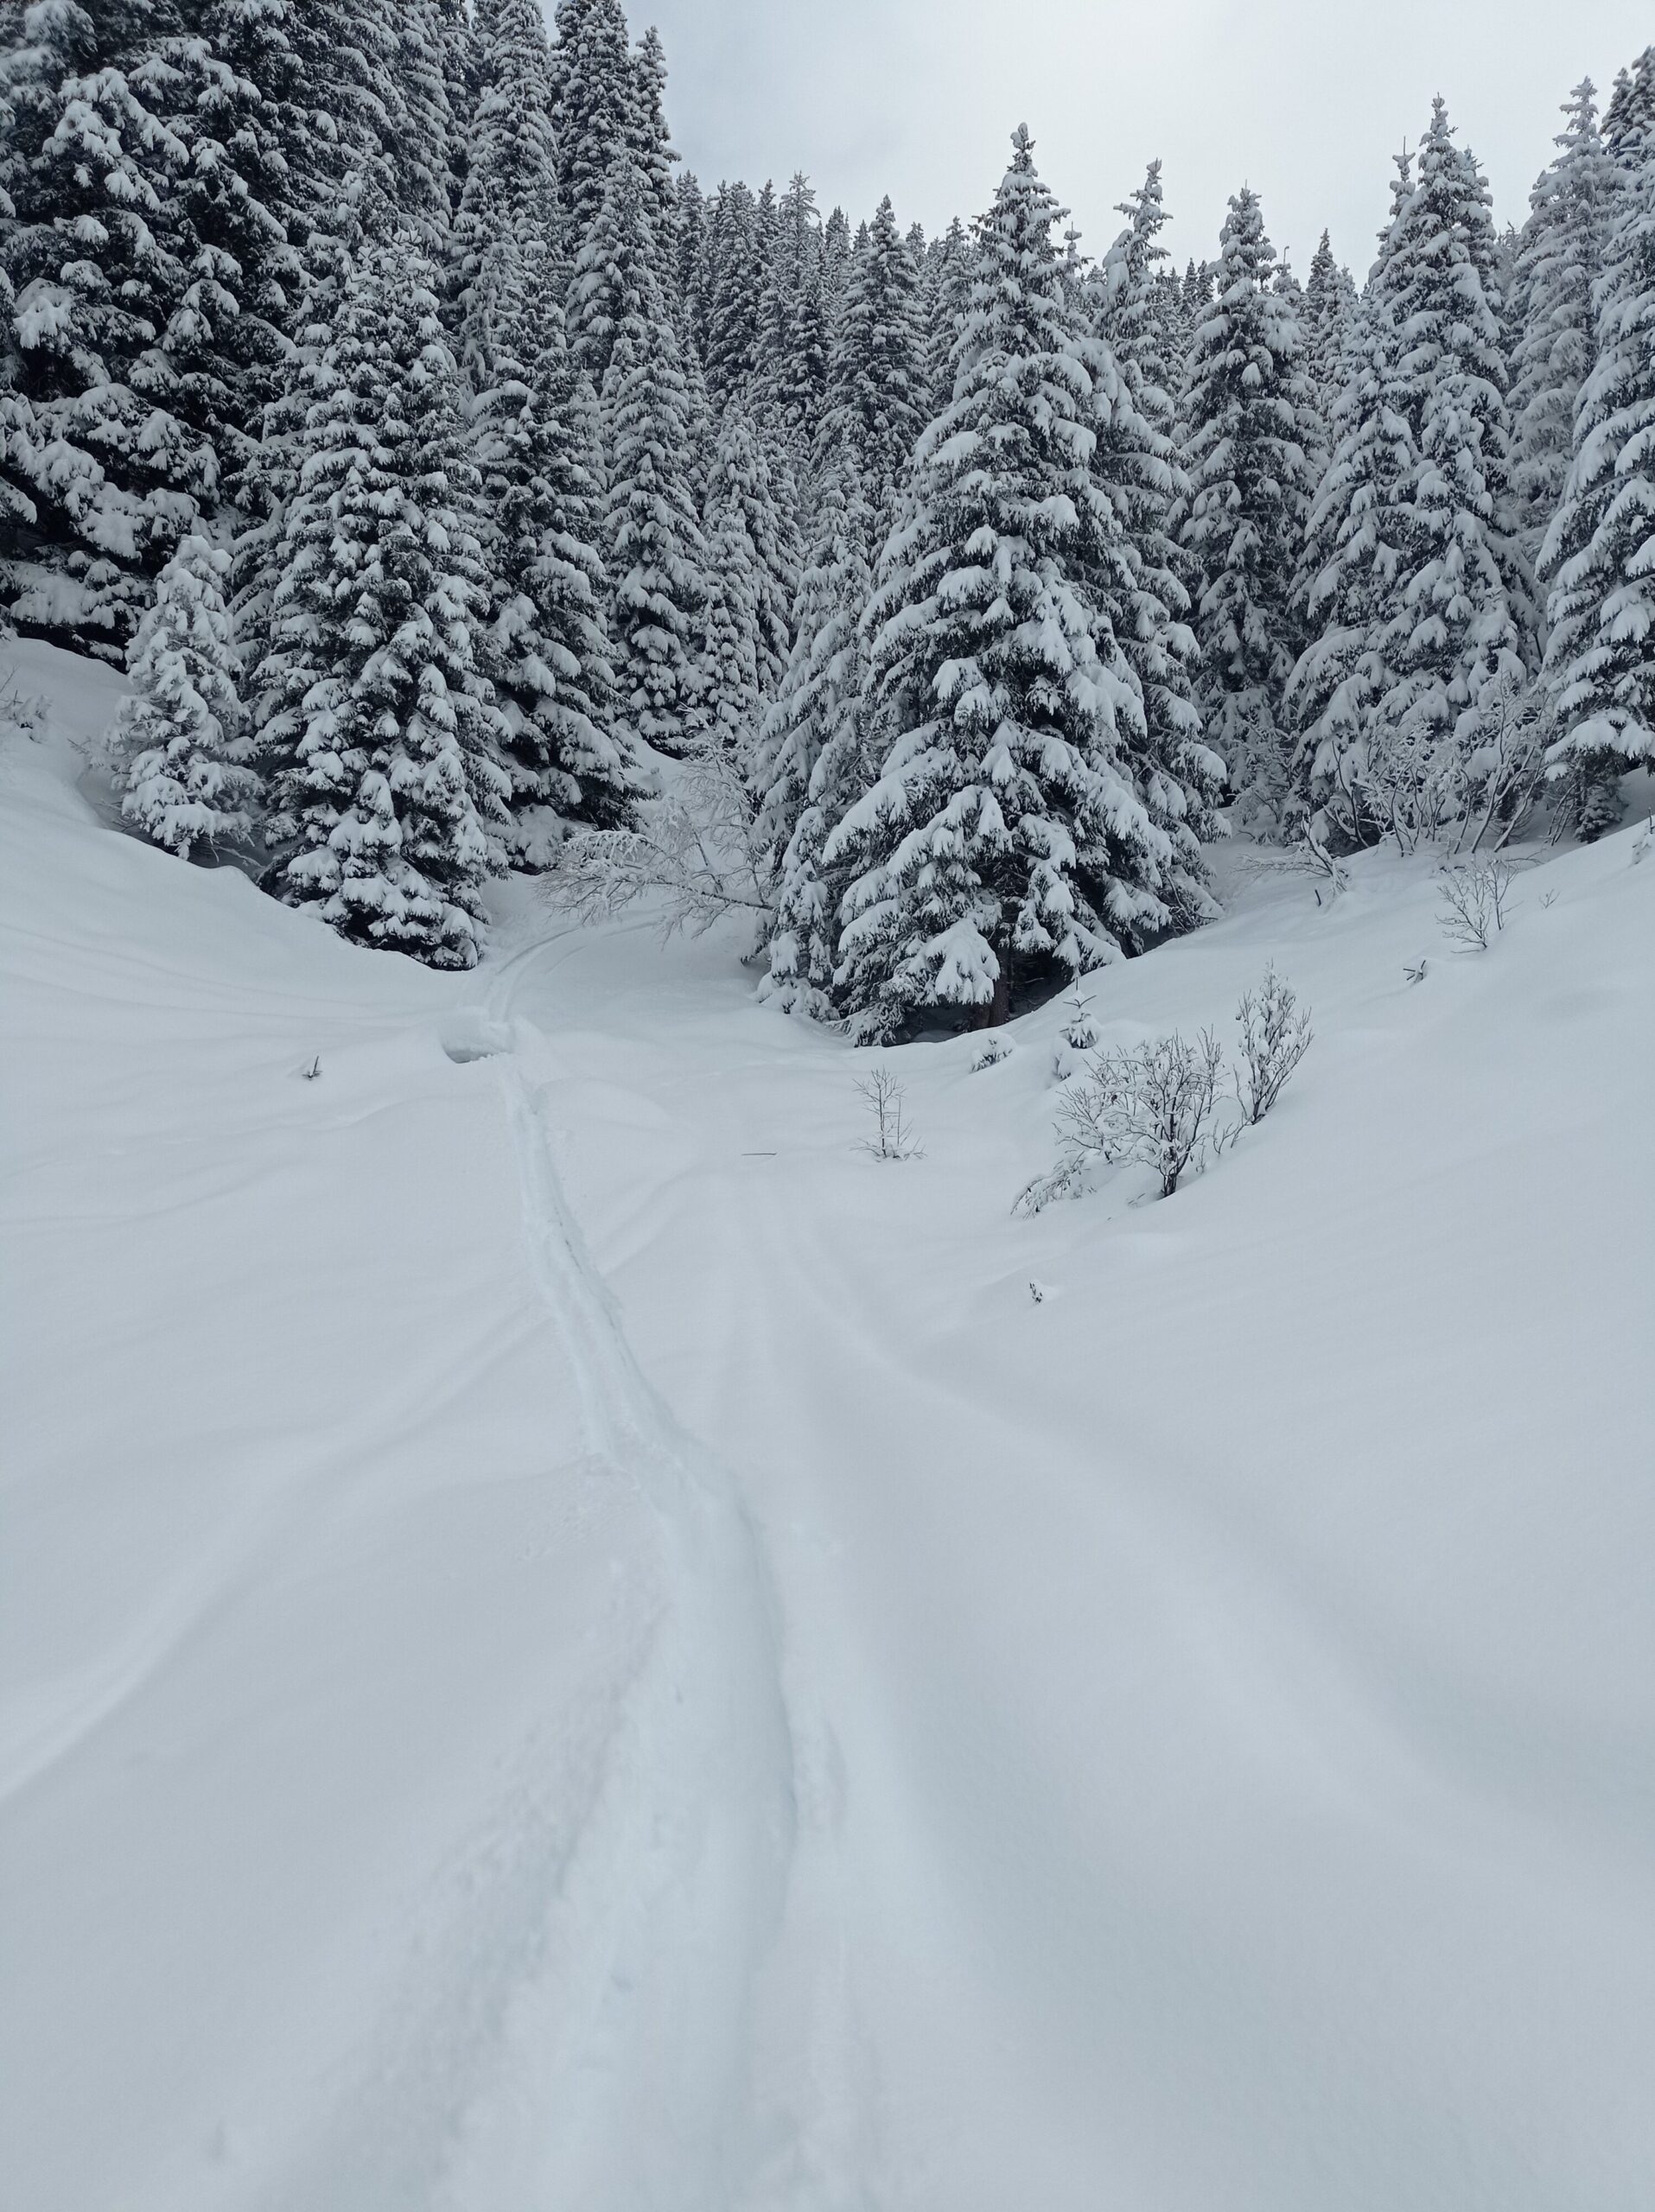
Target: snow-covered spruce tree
<point x="879" y="390"/>
<point x="1418" y="599"/>
<point x="1559" y="256"/>
<point x="733" y="685"/>
<point x="378" y="727"/>
<point x="1004" y="832"/>
<point x="1329" y="309"/>
<point x="179" y="749"/>
<point x="596" y="92"/>
<point x="1136" y="463"/>
<point x="793" y="363"/>
<point x="652" y="146"/>
<point x="570" y="759"/>
<point x="1600" y="665"/>
<point x="731" y="284"/>
<point x="657" y="556"/>
<point x="747" y="571"/>
<point x="1247" y="409"/>
<point x="1453" y="627"/>
<point x="1349" y="559"/>
<point x="423" y="130"/>
<point x="946" y="302"/>
<point x="813" y="762"/>
<point x="92" y="163"/>
<point x="510" y="185"/>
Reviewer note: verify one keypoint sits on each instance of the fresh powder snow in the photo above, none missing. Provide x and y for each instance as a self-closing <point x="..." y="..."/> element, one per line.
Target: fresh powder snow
<point x="571" y="1639"/>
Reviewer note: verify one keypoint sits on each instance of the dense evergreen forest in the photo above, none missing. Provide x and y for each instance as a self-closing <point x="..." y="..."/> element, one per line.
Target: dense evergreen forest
<point x="465" y="488"/>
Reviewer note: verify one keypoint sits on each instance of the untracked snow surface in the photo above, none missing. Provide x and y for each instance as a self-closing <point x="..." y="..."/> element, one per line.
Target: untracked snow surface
<point x="571" y="1642"/>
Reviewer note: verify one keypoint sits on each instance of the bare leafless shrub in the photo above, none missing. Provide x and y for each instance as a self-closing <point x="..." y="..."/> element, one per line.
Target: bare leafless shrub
<point x="1147" y="1105"/>
<point x="1275" y="1034"/>
<point x="1476" y="899"/>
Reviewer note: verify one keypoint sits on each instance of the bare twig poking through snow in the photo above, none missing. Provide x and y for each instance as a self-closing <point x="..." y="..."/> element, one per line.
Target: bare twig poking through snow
<point x="991" y="1055"/>
<point x="1275" y="1034"/>
<point x="1644" y="843"/>
<point x="1418" y="972"/>
<point x="1152" y="1105"/>
<point x="893" y="1138"/>
<point x="1474" y="896"/>
<point x="1315" y="860"/>
<point x="312" y="1071"/>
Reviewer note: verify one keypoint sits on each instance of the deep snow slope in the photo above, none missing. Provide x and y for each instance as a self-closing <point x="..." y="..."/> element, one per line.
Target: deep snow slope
<point x="568" y="1642"/>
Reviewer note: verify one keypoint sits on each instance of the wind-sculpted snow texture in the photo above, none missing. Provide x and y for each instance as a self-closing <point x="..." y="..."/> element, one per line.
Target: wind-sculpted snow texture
<point x="570" y="1643"/>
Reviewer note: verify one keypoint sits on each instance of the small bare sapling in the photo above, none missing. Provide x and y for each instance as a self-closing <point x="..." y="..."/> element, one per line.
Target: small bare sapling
<point x="1275" y="1034"/>
<point x="1475" y="900"/>
<point x="893" y="1138"/>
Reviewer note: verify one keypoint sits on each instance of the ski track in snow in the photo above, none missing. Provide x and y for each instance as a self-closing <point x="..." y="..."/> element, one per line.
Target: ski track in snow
<point x="674" y="1890"/>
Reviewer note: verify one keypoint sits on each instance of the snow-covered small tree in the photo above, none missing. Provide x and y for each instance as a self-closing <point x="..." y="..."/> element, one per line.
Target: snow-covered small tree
<point x="377" y="726"/>
<point x="1600" y="667"/>
<point x="1559" y="256"/>
<point x="1004" y="830"/>
<point x="813" y="763"/>
<point x="1248" y="407"/>
<point x="179" y="751"/>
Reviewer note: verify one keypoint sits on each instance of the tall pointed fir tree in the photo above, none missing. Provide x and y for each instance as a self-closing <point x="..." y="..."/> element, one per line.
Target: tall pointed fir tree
<point x="596" y="95"/>
<point x="1600" y="665"/>
<point x="1351" y="555"/>
<point x="378" y="729"/>
<point x="878" y="386"/>
<point x="946" y="296"/>
<point x="1560" y="257"/>
<point x="813" y="761"/>
<point x="1454" y="632"/>
<point x="1329" y="307"/>
<point x="571" y="761"/>
<point x="792" y="365"/>
<point x="1004" y="835"/>
<point x="747" y="616"/>
<point x="1247" y="408"/>
<point x="657" y="556"/>
<point x="731" y="285"/>
<point x="1419" y="595"/>
<point x="179" y="749"/>
<point x="1134" y="318"/>
<point x="510" y="185"/>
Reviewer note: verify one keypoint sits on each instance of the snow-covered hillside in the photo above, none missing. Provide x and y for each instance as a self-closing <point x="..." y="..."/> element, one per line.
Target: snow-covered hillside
<point x="571" y="1642"/>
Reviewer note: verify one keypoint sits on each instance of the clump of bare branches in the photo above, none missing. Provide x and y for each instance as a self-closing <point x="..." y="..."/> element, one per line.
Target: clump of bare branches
<point x="1151" y="1105"/>
<point x="696" y="854"/>
<point x="886" y="1100"/>
<point x="1275" y="1034"/>
<point x="1475" y="900"/>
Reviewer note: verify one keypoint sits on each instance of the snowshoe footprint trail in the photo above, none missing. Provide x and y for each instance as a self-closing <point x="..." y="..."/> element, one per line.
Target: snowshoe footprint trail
<point x="677" y="1888"/>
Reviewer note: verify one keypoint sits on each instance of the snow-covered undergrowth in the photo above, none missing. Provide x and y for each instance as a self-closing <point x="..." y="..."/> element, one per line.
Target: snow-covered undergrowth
<point x="570" y="1640"/>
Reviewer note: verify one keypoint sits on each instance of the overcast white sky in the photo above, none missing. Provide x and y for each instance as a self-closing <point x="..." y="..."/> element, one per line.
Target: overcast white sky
<point x="1306" y="100"/>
